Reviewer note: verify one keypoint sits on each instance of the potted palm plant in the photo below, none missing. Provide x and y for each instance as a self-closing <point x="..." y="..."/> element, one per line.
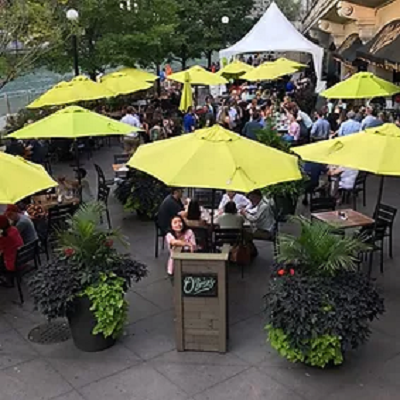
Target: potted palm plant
<point x="319" y="305"/>
<point x="87" y="281"/>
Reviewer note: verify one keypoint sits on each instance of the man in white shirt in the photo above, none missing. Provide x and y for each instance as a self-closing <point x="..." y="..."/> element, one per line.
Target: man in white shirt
<point x="240" y="200"/>
<point x="260" y="215"/>
<point x="131" y="118"/>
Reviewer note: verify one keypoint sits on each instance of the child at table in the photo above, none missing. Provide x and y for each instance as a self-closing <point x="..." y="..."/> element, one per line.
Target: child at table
<point x="179" y="236"/>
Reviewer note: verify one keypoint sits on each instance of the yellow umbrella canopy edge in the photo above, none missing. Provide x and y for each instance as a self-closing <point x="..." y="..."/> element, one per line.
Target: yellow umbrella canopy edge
<point x="21" y="178"/>
<point x="122" y="83"/>
<point x="78" y="89"/>
<point x="236" y="67"/>
<point x="215" y="158"/>
<point x="289" y="63"/>
<point x="187" y="95"/>
<point x="268" y="71"/>
<point x="73" y="122"/>
<point x="139" y="74"/>
<point x="198" y="76"/>
<point x="376" y="150"/>
<point x="363" y="85"/>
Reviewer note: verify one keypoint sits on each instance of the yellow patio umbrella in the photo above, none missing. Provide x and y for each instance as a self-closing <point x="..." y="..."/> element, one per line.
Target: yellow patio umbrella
<point x="235" y="69"/>
<point x="78" y="89"/>
<point x="20" y="178"/>
<point x="198" y="76"/>
<point x="363" y="85"/>
<point x="187" y="95"/>
<point x="289" y="63"/>
<point x="215" y="158"/>
<point x="139" y="74"/>
<point x="268" y="71"/>
<point x="122" y="83"/>
<point x="375" y="150"/>
<point x="73" y="122"/>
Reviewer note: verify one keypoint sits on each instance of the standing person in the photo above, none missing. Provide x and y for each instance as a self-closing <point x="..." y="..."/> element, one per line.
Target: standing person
<point x="131" y="117"/>
<point x="189" y="121"/>
<point x="224" y="118"/>
<point x="370" y="120"/>
<point x="293" y="134"/>
<point x="22" y="222"/>
<point x="321" y="128"/>
<point x="179" y="236"/>
<point x="350" y="126"/>
<point x="169" y="208"/>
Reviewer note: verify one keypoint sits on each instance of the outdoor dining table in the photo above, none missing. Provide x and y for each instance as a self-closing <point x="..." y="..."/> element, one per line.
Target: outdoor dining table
<point x="344" y="219"/>
<point x="47" y="202"/>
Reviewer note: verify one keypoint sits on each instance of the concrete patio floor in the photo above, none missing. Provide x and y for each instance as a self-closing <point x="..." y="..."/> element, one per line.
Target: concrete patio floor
<point x="144" y="364"/>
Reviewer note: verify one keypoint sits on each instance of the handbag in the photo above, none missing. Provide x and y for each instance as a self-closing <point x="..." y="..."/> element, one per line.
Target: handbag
<point x="240" y="254"/>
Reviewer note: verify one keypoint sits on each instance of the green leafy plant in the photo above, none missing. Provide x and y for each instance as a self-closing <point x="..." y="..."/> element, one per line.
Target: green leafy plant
<point x="141" y="193"/>
<point x="322" y="350"/>
<point x="319" y="249"/>
<point x="108" y="305"/>
<point x="307" y="315"/>
<point x="86" y="254"/>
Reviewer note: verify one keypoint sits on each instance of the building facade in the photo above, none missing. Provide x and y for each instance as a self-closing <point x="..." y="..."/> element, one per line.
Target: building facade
<point x="362" y="34"/>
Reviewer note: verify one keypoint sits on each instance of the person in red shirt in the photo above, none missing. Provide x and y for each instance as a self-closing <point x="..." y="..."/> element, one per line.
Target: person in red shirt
<point x="10" y="242"/>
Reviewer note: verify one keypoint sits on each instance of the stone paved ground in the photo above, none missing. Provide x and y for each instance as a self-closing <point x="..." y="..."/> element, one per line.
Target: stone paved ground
<point x="144" y="365"/>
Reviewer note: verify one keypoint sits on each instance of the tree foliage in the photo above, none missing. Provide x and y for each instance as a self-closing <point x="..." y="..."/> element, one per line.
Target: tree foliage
<point x="291" y="8"/>
<point x="27" y="32"/>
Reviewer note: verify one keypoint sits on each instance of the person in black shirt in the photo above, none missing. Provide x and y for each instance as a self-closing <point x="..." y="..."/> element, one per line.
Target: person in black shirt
<point x="15" y="148"/>
<point x="170" y="208"/>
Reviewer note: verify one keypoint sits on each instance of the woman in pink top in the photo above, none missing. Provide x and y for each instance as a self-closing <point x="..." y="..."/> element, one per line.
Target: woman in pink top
<point x="179" y="236"/>
<point x="294" y="129"/>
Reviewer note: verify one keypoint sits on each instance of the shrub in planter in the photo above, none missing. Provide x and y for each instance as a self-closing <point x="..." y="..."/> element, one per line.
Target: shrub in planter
<point x="318" y="305"/>
<point x="87" y="281"/>
<point x="141" y="193"/>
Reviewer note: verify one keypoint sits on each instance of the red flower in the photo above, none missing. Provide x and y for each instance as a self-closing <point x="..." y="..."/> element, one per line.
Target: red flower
<point x="291" y="271"/>
<point x="69" y="252"/>
<point x="109" y="243"/>
<point x="281" y="272"/>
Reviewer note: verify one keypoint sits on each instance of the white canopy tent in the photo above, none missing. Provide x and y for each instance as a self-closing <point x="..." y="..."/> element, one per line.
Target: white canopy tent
<point x="274" y="32"/>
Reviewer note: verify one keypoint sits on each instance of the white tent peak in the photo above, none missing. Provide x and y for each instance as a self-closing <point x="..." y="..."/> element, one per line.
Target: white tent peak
<point x="274" y="32"/>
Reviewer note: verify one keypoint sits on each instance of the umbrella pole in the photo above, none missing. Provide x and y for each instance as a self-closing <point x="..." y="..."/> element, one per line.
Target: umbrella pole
<point x="380" y="193"/>
<point x="77" y="162"/>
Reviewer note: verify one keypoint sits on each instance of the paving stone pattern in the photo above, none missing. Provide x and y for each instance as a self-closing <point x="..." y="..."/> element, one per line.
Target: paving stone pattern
<point x="144" y="364"/>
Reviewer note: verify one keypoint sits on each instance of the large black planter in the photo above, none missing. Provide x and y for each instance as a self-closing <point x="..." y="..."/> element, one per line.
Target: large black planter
<point x="82" y="322"/>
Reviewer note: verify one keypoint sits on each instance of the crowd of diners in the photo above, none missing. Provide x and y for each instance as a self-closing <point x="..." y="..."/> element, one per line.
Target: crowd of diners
<point x="179" y="218"/>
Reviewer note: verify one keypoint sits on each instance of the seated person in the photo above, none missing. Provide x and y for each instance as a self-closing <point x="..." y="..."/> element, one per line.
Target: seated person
<point x="179" y="236"/>
<point x="347" y="178"/>
<point x="230" y="219"/>
<point x="314" y="171"/>
<point x="240" y="200"/>
<point x="10" y="242"/>
<point x="22" y="222"/>
<point x="15" y="148"/>
<point x="260" y="215"/>
<point x="193" y="215"/>
<point x="169" y="208"/>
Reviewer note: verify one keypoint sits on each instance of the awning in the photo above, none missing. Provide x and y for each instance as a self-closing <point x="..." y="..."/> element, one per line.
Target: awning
<point x="384" y="48"/>
<point x="347" y="52"/>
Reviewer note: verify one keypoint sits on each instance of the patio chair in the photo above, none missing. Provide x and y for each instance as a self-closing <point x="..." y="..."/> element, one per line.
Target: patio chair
<point x="319" y="204"/>
<point x="121" y="158"/>
<point x="103" y="192"/>
<point x="101" y="179"/>
<point x="385" y="215"/>
<point x="160" y="233"/>
<point x="57" y="219"/>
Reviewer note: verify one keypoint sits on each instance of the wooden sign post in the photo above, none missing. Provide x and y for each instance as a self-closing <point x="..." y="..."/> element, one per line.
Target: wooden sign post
<point x="200" y="300"/>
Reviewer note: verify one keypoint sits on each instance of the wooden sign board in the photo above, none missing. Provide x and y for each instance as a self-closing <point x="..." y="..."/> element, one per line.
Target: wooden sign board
<point x="200" y="301"/>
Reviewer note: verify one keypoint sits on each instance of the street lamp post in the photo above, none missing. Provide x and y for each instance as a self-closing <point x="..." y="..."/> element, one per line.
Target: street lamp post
<point x="73" y="15"/>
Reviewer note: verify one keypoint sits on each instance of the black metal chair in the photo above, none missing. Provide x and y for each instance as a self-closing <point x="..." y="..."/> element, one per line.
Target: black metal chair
<point x="57" y="219"/>
<point x="160" y="233"/>
<point x="385" y="215"/>
<point x="360" y="186"/>
<point x="42" y="229"/>
<point x="103" y="192"/>
<point x="320" y="204"/>
<point x="26" y="255"/>
<point x="203" y="238"/>
<point x="121" y="158"/>
<point x="101" y="179"/>
<point x="375" y="240"/>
